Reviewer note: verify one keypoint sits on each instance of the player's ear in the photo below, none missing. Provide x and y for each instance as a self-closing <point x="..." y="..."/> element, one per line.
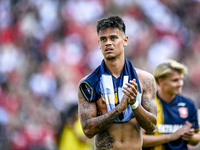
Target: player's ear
<point x="98" y="42"/>
<point x="160" y="81"/>
<point x="126" y="41"/>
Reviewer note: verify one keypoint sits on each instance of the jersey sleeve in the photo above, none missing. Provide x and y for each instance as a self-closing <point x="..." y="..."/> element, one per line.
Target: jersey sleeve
<point x="90" y="88"/>
<point x="194" y="117"/>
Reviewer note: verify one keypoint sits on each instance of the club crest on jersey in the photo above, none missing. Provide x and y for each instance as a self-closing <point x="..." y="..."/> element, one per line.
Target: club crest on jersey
<point x="183" y="112"/>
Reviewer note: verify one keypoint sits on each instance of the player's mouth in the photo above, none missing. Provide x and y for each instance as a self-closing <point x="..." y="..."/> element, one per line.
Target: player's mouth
<point x="108" y="49"/>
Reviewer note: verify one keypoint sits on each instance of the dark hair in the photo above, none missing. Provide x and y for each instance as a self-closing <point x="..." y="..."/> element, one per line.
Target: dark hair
<point x="111" y="22"/>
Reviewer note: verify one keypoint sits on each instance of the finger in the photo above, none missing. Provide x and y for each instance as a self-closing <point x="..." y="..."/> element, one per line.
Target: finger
<point x="130" y="90"/>
<point x="189" y="124"/>
<point x="133" y="87"/>
<point x="189" y="133"/>
<point x="186" y="136"/>
<point x="130" y="93"/>
<point x="134" y="83"/>
<point x="185" y="129"/>
<point x="127" y="93"/>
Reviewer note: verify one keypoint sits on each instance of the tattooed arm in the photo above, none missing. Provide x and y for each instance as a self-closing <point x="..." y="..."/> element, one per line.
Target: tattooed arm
<point x="147" y="111"/>
<point x="93" y="124"/>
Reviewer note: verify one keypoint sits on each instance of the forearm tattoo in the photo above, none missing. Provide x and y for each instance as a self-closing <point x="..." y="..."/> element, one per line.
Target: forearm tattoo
<point x="102" y="122"/>
<point x="144" y="120"/>
<point x="95" y="125"/>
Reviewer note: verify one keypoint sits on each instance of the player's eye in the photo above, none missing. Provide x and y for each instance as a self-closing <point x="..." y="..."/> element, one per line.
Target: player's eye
<point x="102" y="39"/>
<point x="113" y="37"/>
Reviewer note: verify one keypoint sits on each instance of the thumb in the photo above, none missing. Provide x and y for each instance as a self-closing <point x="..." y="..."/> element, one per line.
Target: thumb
<point x="189" y="124"/>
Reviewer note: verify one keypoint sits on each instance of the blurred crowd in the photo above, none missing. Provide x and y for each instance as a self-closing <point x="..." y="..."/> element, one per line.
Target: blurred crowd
<point x="47" y="46"/>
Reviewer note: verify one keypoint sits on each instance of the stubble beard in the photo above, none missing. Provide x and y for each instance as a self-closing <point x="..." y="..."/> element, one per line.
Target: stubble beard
<point x="111" y="58"/>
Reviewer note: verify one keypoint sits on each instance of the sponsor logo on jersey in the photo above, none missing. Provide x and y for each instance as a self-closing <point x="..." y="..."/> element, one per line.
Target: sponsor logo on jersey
<point x="168" y="128"/>
<point x="183" y="112"/>
<point x="181" y="104"/>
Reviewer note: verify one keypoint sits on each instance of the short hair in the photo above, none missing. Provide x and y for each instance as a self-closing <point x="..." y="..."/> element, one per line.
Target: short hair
<point x="111" y="22"/>
<point x="165" y="68"/>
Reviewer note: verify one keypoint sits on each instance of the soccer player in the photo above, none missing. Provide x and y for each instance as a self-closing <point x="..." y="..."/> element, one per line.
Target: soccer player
<point x="177" y="123"/>
<point x="116" y="99"/>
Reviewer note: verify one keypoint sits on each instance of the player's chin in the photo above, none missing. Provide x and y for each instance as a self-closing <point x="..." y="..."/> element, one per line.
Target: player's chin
<point x="179" y="91"/>
<point x="110" y="58"/>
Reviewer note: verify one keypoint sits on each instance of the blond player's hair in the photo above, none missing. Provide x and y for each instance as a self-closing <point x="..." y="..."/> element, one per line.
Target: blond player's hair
<point x="165" y="68"/>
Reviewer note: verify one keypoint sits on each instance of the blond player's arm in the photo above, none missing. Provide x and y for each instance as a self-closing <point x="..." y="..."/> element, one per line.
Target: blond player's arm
<point x="154" y="140"/>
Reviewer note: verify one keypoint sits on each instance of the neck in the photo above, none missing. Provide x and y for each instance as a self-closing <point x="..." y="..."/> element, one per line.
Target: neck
<point x="115" y="66"/>
<point x="165" y="96"/>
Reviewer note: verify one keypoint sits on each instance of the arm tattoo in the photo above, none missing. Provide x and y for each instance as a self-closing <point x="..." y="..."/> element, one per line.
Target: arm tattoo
<point x="95" y="125"/>
<point x="102" y="122"/>
<point x="85" y="106"/>
<point x="149" y="95"/>
<point x="84" y="114"/>
<point x="147" y="118"/>
<point x="80" y="96"/>
<point x="98" y="124"/>
<point x="144" y="120"/>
